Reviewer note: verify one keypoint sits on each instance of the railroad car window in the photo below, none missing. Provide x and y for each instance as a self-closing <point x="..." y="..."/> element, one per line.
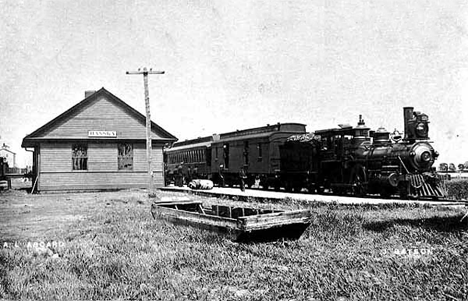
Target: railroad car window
<point x="226" y="155"/>
<point x="246" y="152"/>
<point x="125" y="159"/>
<point x="259" y="147"/>
<point x="207" y="156"/>
<point x="80" y="156"/>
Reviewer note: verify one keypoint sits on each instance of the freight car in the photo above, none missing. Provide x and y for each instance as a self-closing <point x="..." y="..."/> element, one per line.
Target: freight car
<point x="359" y="161"/>
<point x="221" y="157"/>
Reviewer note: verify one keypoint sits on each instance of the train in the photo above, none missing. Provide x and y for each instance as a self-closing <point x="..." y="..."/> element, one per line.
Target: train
<point x="347" y="160"/>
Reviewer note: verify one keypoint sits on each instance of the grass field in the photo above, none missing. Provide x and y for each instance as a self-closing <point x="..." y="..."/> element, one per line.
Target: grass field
<point x="107" y="246"/>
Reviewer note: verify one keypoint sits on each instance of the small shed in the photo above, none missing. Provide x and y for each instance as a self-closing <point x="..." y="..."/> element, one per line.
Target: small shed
<point x="98" y="144"/>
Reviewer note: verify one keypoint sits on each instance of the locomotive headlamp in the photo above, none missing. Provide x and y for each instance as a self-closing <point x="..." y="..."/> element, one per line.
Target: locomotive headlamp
<point x="421" y="129"/>
<point x="426" y="157"/>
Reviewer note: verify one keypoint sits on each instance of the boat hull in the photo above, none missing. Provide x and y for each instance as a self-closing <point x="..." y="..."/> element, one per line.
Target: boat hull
<point x="237" y="223"/>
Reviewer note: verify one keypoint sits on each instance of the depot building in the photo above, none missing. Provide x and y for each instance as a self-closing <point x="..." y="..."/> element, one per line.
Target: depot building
<point x="98" y="144"/>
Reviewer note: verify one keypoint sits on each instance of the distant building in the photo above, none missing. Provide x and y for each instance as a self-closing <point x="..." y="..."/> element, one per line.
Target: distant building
<point x="9" y="155"/>
<point x="100" y="143"/>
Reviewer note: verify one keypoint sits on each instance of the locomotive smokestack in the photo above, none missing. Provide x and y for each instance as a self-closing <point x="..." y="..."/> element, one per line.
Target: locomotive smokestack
<point x="407" y="115"/>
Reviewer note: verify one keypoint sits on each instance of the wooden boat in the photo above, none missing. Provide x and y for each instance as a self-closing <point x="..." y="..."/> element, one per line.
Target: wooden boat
<point x="238" y="223"/>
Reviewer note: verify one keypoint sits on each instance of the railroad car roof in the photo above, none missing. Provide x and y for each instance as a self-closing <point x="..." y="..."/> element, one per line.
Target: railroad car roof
<point x="252" y="133"/>
<point x="278" y="127"/>
<point x="253" y="136"/>
<point x="188" y="146"/>
<point x="336" y="131"/>
<point x="193" y="141"/>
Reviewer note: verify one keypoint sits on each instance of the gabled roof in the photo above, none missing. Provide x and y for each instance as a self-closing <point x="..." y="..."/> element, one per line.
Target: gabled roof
<point x="6" y="149"/>
<point x="41" y="133"/>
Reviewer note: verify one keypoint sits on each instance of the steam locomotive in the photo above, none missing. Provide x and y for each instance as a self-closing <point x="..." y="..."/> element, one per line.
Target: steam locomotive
<point x="359" y="161"/>
<point x="344" y="160"/>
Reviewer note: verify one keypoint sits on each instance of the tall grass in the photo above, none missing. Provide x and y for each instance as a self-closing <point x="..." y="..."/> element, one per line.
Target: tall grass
<point x="458" y="189"/>
<point x="354" y="253"/>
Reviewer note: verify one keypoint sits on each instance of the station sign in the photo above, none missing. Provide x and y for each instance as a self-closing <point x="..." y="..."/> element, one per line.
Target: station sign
<point x="106" y="134"/>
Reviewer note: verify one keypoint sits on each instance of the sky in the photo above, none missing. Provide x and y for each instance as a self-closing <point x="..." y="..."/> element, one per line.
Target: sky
<point x="239" y="64"/>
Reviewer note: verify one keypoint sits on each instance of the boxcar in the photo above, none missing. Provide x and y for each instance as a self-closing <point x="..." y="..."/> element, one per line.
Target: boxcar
<point x="256" y="150"/>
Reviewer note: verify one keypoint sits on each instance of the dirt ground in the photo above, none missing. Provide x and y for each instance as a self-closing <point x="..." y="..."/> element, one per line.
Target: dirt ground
<point x="25" y="216"/>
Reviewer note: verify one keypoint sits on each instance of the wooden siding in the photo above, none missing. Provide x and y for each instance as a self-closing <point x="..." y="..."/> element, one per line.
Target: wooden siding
<point x="56" y="168"/>
<point x="96" y="180"/>
<point x="100" y="115"/>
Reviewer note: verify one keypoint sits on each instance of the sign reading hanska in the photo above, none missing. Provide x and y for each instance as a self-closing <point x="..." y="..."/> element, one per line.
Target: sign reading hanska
<point x="102" y="134"/>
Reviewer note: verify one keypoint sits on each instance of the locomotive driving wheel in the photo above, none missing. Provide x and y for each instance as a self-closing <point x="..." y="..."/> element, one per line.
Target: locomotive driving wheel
<point x="358" y="180"/>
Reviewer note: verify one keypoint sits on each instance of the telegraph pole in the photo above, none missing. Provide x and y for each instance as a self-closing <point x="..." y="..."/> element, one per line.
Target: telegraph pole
<point x="145" y="73"/>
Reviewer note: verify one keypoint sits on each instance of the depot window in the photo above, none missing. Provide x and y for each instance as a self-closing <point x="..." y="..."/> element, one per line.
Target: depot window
<point x="80" y="156"/>
<point x="125" y="156"/>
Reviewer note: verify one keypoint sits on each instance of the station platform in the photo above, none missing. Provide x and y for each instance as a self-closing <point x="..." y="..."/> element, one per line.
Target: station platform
<point x="271" y="195"/>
